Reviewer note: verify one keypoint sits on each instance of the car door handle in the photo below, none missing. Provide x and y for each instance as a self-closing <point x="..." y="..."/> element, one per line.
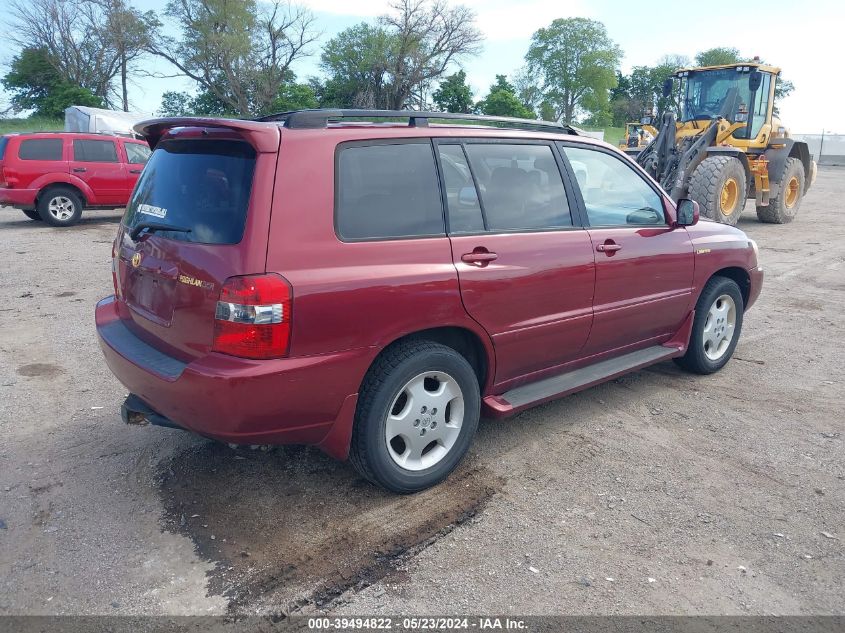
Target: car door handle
<point x="608" y="247"/>
<point x="79" y="169"/>
<point x="134" y="171"/>
<point x="479" y="257"/>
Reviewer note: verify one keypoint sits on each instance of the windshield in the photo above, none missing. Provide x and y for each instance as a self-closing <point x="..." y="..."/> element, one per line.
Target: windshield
<point x="713" y="93"/>
<point x="200" y="185"/>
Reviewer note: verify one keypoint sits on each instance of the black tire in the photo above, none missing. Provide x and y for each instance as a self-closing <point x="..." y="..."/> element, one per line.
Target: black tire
<point x="782" y="209"/>
<point x="32" y="214"/>
<point x="384" y="383"/>
<point x="710" y="178"/>
<point x="56" y="194"/>
<point x="696" y="359"/>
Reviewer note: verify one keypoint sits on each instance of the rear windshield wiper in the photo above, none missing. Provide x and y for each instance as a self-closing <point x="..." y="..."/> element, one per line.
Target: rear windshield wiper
<point x="151" y="227"/>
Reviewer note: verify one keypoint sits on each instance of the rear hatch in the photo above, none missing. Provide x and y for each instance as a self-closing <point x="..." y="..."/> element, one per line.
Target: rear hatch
<point x="198" y="215"/>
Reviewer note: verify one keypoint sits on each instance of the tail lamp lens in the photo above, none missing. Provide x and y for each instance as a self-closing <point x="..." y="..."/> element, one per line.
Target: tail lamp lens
<point x="253" y="317"/>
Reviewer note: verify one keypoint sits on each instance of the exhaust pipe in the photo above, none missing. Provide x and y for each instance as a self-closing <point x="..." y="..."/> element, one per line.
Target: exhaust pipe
<point x="135" y="411"/>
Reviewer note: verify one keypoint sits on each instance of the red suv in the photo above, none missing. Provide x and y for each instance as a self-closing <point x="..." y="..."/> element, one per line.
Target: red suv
<point x="373" y="288"/>
<point x="52" y="176"/>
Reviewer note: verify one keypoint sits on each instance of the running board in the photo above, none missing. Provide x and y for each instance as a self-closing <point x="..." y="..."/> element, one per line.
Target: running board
<point x="557" y="386"/>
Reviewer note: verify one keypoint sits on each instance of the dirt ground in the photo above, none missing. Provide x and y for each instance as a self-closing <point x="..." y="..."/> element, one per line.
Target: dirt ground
<point x="658" y="493"/>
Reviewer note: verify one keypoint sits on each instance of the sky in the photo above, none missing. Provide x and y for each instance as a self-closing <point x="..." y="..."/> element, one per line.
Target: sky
<point x="802" y="38"/>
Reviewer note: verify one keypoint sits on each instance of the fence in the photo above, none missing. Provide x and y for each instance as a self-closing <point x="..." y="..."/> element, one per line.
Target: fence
<point x="827" y="149"/>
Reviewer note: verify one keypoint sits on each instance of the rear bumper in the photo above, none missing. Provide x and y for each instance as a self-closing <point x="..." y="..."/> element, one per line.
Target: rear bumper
<point x="307" y="400"/>
<point x="22" y="198"/>
<point x="756" y="276"/>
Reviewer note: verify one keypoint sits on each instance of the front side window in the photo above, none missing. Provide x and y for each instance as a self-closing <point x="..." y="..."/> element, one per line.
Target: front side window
<point x="41" y="149"/>
<point x="614" y="194"/>
<point x="388" y="191"/>
<point x="94" y="151"/>
<point x="136" y="153"/>
<point x="520" y="186"/>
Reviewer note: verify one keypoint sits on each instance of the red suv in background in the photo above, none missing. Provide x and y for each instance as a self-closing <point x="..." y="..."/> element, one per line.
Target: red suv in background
<point x="373" y="288"/>
<point x="52" y="176"/>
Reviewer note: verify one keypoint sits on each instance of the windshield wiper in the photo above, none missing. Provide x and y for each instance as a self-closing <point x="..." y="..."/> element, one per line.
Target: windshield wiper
<point x="152" y="227"/>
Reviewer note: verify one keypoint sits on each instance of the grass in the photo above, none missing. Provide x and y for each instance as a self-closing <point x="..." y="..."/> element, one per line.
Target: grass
<point x="612" y="135"/>
<point x="31" y="124"/>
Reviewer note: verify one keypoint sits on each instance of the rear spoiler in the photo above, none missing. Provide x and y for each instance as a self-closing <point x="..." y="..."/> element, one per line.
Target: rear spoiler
<point x="263" y="136"/>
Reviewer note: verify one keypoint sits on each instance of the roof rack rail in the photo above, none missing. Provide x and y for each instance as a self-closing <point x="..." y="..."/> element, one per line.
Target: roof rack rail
<point x="320" y="118"/>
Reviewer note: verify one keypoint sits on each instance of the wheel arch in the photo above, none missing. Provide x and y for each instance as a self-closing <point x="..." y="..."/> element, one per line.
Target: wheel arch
<point x="740" y="276"/>
<point x="465" y="341"/>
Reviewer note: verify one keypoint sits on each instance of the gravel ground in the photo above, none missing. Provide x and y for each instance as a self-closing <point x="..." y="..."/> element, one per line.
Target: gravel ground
<point x="658" y="493"/>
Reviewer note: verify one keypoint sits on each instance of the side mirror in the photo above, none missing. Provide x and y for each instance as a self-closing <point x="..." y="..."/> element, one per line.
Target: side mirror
<point x="754" y="80"/>
<point x="467" y="197"/>
<point x="667" y="87"/>
<point x="687" y="212"/>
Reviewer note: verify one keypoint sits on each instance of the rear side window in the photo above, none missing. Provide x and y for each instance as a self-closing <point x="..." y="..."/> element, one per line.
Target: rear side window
<point x="136" y="153"/>
<point x="94" y="151"/>
<point x="4" y="140"/>
<point x="201" y="185"/>
<point x="386" y="191"/>
<point x="520" y="185"/>
<point x="41" y="149"/>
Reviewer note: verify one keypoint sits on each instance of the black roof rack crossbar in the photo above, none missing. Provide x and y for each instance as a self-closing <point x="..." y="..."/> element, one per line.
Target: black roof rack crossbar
<point x="320" y="118"/>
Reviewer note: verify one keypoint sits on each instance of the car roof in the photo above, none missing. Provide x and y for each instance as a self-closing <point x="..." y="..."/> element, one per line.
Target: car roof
<point x="265" y="133"/>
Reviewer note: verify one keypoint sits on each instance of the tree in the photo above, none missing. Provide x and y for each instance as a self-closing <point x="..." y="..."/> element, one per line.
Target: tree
<point x="35" y="84"/>
<point x="576" y="64"/>
<point x="239" y="52"/>
<point x="393" y="64"/>
<point x="453" y="94"/>
<point x="718" y="57"/>
<point x="502" y="101"/>
<point x="356" y="61"/>
<point x="89" y="42"/>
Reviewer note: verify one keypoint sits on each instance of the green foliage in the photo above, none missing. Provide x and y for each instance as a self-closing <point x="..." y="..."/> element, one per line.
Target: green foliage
<point x="718" y="57"/>
<point x="238" y="53"/>
<point x="293" y="96"/>
<point x="575" y="62"/>
<point x="36" y="85"/>
<point x="393" y="64"/>
<point x="502" y="101"/>
<point x="356" y="63"/>
<point x="31" y="124"/>
<point x="453" y="94"/>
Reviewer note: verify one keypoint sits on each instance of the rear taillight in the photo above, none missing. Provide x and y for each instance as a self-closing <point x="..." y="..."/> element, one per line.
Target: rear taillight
<point x="253" y="315"/>
<point x="8" y="178"/>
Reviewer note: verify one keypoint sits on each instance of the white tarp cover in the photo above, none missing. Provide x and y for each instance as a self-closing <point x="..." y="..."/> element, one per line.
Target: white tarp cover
<point x="85" y="119"/>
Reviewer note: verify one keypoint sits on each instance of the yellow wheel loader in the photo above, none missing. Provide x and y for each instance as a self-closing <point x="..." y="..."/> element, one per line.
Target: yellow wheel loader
<point x="638" y="134"/>
<point x="726" y="145"/>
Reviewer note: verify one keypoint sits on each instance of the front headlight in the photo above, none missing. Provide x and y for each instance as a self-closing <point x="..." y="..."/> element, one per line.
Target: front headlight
<point x="756" y="249"/>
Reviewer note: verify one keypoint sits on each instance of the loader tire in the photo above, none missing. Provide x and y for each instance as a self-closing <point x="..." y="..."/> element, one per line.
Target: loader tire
<point x="719" y="187"/>
<point x="784" y="207"/>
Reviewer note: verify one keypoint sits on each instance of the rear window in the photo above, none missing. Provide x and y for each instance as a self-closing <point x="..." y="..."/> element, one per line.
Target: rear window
<point x="41" y="149"/>
<point x="386" y="191"/>
<point x="4" y="140"/>
<point x="94" y="151"/>
<point x="201" y="185"/>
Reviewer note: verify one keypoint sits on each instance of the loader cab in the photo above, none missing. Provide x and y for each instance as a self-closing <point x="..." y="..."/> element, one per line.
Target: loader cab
<point x="739" y="93"/>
